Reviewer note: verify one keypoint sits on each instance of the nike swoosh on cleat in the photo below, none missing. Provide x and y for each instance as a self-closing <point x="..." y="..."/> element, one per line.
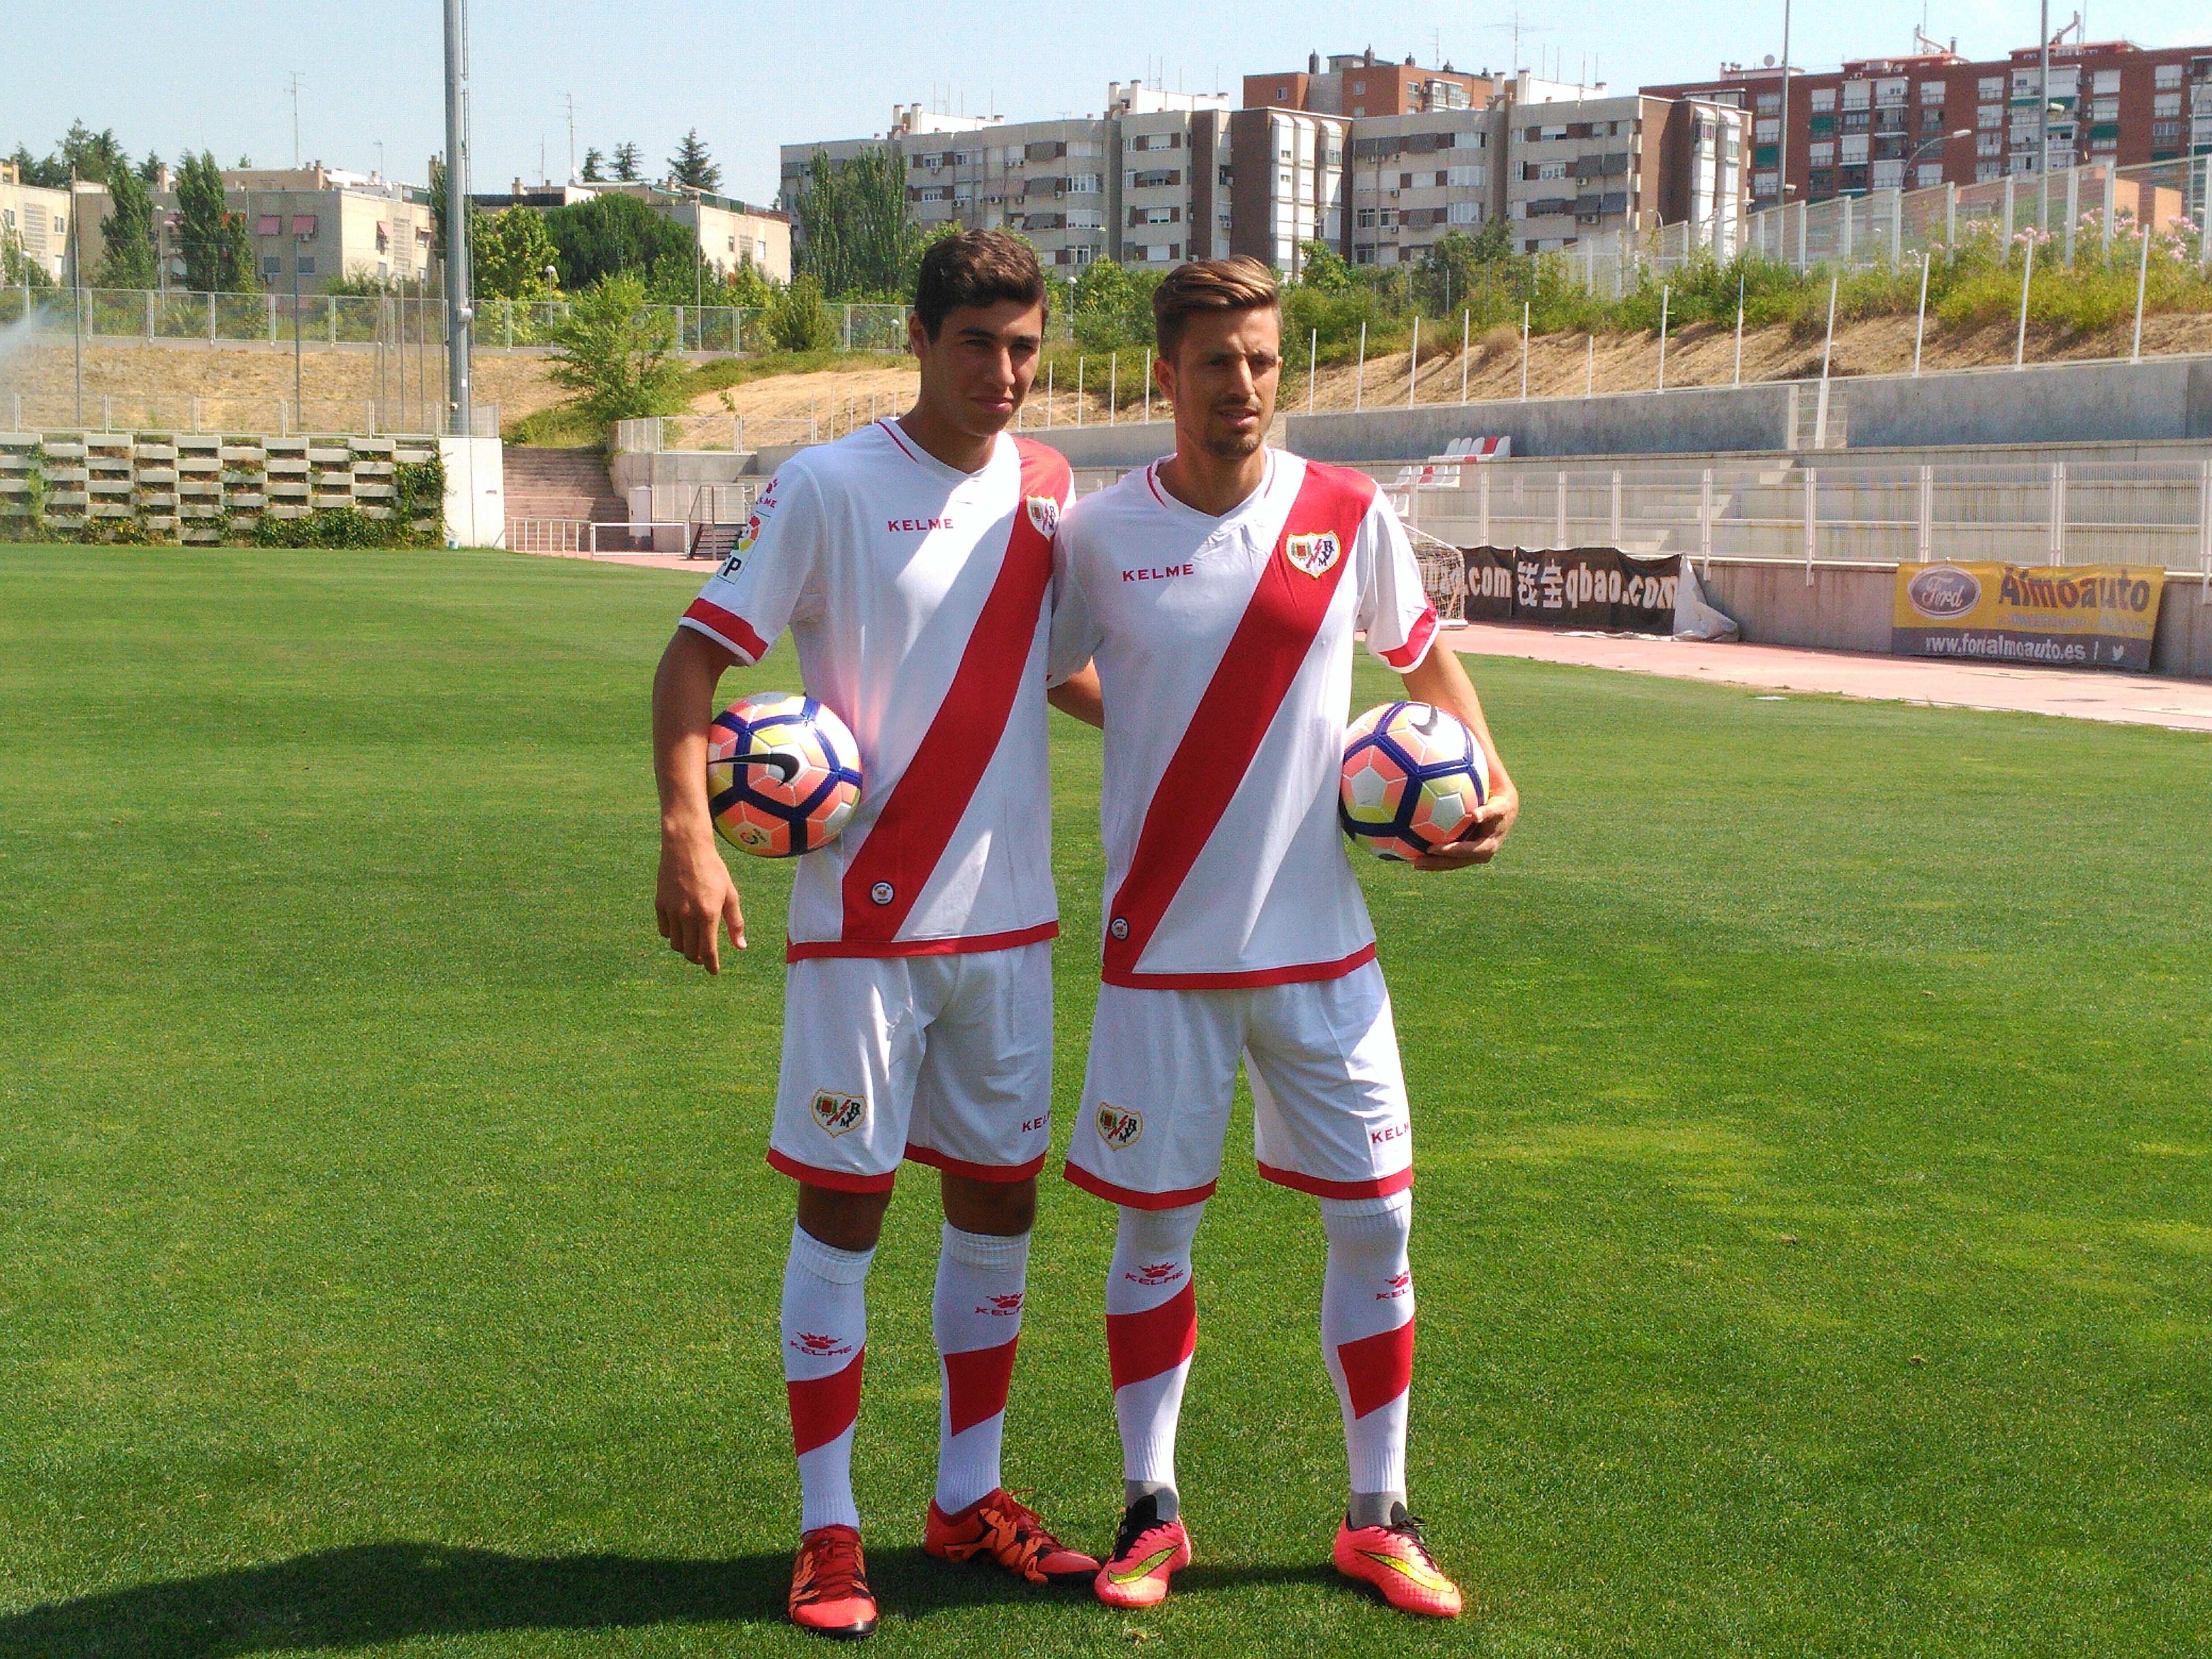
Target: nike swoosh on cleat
<point x="1145" y="1566"/>
<point x="1424" y="1577"/>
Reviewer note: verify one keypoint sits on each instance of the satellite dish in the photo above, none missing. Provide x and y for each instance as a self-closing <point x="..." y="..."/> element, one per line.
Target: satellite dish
<point x="1770" y="60"/>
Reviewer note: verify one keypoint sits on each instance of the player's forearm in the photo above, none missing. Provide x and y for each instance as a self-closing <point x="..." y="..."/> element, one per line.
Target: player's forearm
<point x="1440" y="680"/>
<point x="1079" y="697"/>
<point x="683" y="710"/>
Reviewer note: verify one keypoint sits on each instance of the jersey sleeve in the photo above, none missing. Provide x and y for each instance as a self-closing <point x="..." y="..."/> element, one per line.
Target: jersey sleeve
<point x="774" y="575"/>
<point x="1075" y="637"/>
<point x="1393" y="606"/>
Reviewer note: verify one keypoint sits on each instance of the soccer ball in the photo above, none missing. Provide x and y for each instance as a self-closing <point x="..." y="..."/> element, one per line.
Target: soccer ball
<point x="1413" y="778"/>
<point x="783" y="775"/>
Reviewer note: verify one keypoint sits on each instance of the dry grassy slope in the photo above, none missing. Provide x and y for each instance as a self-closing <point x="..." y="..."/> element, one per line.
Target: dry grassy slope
<point x="1560" y="364"/>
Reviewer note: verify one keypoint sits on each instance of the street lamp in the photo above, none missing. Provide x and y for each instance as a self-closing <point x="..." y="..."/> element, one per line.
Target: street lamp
<point x="1927" y="144"/>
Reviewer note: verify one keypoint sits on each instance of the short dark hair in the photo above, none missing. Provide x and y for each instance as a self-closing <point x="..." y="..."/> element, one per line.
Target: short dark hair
<point x="1237" y="284"/>
<point x="975" y="268"/>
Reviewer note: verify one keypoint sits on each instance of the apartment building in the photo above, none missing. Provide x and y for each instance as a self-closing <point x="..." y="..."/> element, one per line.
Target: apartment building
<point x="1585" y="167"/>
<point x="1415" y="176"/>
<point x="1886" y="123"/>
<point x="38" y="219"/>
<point x="1355" y="84"/>
<point x="1286" y="174"/>
<point x="321" y="223"/>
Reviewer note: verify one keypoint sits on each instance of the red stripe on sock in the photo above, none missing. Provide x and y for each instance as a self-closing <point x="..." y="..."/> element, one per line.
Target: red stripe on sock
<point x="823" y="1407"/>
<point x="1142" y="1345"/>
<point x="1377" y="1369"/>
<point x="976" y="1382"/>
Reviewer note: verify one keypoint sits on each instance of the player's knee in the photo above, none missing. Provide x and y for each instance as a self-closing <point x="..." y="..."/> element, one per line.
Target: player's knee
<point x="847" y="1221"/>
<point x="1369" y="1222"/>
<point x="1158" y="1233"/>
<point x="1003" y="1208"/>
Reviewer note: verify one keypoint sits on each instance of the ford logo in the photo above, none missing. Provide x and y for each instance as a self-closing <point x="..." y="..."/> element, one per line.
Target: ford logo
<point x="1942" y="591"/>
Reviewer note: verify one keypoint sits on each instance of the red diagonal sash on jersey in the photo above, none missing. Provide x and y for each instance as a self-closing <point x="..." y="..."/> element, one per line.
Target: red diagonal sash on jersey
<point x="918" y="818"/>
<point x="1241" y="701"/>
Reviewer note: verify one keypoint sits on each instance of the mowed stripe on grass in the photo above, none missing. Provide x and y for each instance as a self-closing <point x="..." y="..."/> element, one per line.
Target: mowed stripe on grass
<point x="1814" y="1233"/>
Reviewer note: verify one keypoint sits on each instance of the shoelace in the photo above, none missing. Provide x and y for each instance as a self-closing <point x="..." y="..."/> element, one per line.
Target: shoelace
<point x="1017" y="1535"/>
<point x="1132" y="1530"/>
<point x="1410" y="1530"/>
<point x="834" y="1570"/>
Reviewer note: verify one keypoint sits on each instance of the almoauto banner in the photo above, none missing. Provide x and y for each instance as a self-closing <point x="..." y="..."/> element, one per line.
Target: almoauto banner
<point x="2099" y="616"/>
<point x="1601" y="589"/>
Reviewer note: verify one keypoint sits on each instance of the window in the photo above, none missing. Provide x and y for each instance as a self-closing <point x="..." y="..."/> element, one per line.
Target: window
<point x="1464" y="212"/>
<point x="1931" y="120"/>
<point x="2162" y="132"/>
<point x="1930" y="174"/>
<point x="2166" y="103"/>
<point x="1988" y="144"/>
<point x="1931" y="92"/>
<point x="1468" y="177"/>
<point x="1855" y="148"/>
<point x="1991" y="86"/>
<point x="1889" y="92"/>
<point x="271" y="267"/>
<point x="1823" y="153"/>
<point x="1769" y="100"/>
<point x="1366" y="220"/>
<point x="934" y="193"/>
<point x="1282" y="94"/>
<point x="1763" y="184"/>
<point x="2166" y="75"/>
<point x="1858" y="94"/>
<point x="1551" y="169"/>
<point x="1405" y="181"/>
<point x="1986" y="172"/>
<point x="1888" y="175"/>
<point x="1083" y="183"/>
<point x="2105" y="80"/>
<point x="1359" y="85"/>
<point x="1989" y="117"/>
<point x="306" y="265"/>
<point x="1824" y="98"/>
<point x="1766" y="132"/>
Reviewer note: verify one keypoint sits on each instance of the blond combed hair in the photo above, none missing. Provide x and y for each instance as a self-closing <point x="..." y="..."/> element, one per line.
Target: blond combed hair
<point x="1242" y="283"/>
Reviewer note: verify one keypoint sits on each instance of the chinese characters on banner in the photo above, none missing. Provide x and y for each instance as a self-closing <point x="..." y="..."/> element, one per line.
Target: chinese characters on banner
<point x="1600" y="589"/>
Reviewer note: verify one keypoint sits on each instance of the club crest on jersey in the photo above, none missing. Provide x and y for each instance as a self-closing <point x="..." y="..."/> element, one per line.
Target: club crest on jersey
<point x="1118" y="1128"/>
<point x="838" y="1112"/>
<point x="1315" y="554"/>
<point x="1044" y="514"/>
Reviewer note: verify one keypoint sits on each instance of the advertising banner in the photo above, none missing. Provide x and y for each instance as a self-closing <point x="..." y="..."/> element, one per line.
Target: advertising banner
<point x="1600" y="589"/>
<point x="2066" y="615"/>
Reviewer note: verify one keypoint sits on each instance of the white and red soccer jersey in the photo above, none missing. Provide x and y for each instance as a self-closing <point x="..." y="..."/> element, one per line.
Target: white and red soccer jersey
<point x="917" y="596"/>
<point x="1223" y="648"/>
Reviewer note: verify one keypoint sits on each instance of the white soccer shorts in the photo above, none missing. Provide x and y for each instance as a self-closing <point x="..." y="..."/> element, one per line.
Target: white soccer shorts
<point x="945" y="1060"/>
<point x="1329" y="1113"/>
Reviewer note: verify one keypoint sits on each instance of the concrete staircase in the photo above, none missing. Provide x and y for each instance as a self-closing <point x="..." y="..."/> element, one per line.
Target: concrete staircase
<point x="562" y="484"/>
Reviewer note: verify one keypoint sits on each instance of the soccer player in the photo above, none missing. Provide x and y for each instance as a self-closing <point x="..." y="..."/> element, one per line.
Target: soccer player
<point x="1217" y="592"/>
<point x="912" y="561"/>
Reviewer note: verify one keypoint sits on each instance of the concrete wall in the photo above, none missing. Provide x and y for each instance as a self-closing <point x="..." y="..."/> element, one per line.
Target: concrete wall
<point x="1703" y="418"/>
<point x="1848" y="608"/>
<point x="2052" y="403"/>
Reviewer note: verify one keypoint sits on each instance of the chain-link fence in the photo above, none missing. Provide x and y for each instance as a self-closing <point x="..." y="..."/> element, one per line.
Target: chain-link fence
<point x="2080" y="211"/>
<point x="273" y="417"/>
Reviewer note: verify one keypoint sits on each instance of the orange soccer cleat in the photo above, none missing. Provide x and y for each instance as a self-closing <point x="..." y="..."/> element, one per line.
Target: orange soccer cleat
<point x="1394" y="1560"/>
<point x="1000" y="1527"/>
<point x="829" y="1585"/>
<point x="1146" y="1554"/>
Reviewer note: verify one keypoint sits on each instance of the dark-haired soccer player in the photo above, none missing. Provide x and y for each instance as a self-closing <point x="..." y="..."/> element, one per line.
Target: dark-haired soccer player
<point x="911" y="563"/>
<point x="1219" y="592"/>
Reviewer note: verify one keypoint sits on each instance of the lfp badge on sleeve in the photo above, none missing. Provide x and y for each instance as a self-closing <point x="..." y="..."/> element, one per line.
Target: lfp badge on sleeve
<point x="2099" y="616"/>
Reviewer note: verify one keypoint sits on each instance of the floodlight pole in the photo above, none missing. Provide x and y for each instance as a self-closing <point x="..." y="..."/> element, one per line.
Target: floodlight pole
<point x="458" y="312"/>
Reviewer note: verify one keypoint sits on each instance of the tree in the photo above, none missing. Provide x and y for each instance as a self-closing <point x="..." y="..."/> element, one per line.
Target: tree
<point x="204" y="236"/>
<point x="17" y="268"/>
<point x="610" y="235"/>
<point x="595" y="166"/>
<point x="614" y="354"/>
<point x="128" y="233"/>
<point x="799" y="320"/>
<point x="1494" y="241"/>
<point x="438" y="211"/>
<point x="93" y="155"/>
<point x="149" y="170"/>
<point x="859" y="237"/>
<point x="52" y="174"/>
<point x="1113" y="305"/>
<point x="512" y="253"/>
<point x="692" y="165"/>
<point x="745" y="286"/>
<point x="626" y="163"/>
<point x="1323" y="269"/>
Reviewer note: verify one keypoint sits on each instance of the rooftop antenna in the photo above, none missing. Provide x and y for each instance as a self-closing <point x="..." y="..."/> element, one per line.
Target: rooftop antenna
<point x="294" y="90"/>
<point x="570" y="98"/>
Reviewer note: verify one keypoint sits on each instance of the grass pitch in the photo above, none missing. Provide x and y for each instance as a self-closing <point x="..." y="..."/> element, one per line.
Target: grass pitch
<point x="1814" y="1233"/>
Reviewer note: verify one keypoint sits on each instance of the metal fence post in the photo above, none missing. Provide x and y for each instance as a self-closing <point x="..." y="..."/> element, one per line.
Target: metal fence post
<point x="1616" y="507"/>
<point x="2203" y="527"/>
<point x="1896" y="227"/>
<point x="2112" y="195"/>
<point x="1927" y="536"/>
<point x="2009" y="193"/>
<point x="848" y="328"/>
<point x="1559" y="509"/>
<point x="1950" y="218"/>
<point x="271" y="300"/>
<point x="149" y="316"/>
<point x="2059" y="513"/>
<point x="1812" y="485"/>
<point x="1705" y="513"/>
<point x="1482" y="501"/>
<point x="2073" y="208"/>
<point x="331" y="314"/>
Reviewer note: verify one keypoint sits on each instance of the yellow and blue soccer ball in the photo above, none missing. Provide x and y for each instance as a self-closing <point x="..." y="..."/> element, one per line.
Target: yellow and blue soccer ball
<point x="783" y="775"/>
<point x="1413" y="778"/>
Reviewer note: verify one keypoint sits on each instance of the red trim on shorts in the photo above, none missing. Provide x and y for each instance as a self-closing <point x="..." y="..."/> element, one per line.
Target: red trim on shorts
<point x="1130" y="1196"/>
<point x="1305" y="973"/>
<point x="1381" y="1187"/>
<point x="823" y="1407"/>
<point x="837" y="1181"/>
<point x="727" y="627"/>
<point x="916" y="821"/>
<point x="1408" y="657"/>
<point x="802" y="951"/>
<point x="952" y="1165"/>
<point x="1281" y="620"/>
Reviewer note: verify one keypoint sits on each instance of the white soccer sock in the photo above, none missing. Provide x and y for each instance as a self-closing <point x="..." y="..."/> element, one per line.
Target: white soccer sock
<point x="1152" y="1327"/>
<point x="1367" y="1335"/>
<point x="977" y="1315"/>
<point x="825" y="1339"/>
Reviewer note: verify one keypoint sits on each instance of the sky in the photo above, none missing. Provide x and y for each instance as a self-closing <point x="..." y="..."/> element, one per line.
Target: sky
<point x="215" y="74"/>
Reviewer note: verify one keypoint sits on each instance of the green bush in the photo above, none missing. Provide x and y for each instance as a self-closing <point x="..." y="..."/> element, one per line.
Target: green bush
<point x="800" y="321"/>
<point x="616" y="355"/>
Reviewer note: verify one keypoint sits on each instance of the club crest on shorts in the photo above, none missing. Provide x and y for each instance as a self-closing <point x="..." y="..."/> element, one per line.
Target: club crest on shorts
<point x="1118" y="1128"/>
<point x="838" y="1112"/>
<point x="1044" y="514"/>
<point x="1314" y="554"/>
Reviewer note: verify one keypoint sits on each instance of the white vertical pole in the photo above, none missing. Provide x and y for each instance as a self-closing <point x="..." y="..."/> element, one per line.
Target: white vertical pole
<point x="1148" y="389"/>
<point x="1705" y="513"/>
<point x="1114" y="389"/>
<point x="2009" y="193"/>
<point x="1524" y="356"/>
<point x="1663" y="294"/>
<point x="2203" y="530"/>
<point x="1359" y="374"/>
<point x="1078" y="387"/>
<point x="2026" y="270"/>
<point x="1466" y="322"/>
<point x="1821" y="418"/>
<point x="1482" y="503"/>
<point x="1950" y="217"/>
<point x="1738" y="380"/>
<point x="1812" y="486"/>
<point x="1927" y="538"/>
<point x="2073" y="208"/>
<point x="1048" y="394"/>
<point x="1414" y="363"/>
<point x="2142" y="276"/>
<point x="1312" y="367"/>
<point x="1615" y="519"/>
<point x="1920" y="317"/>
<point x="2059" y="513"/>
<point x="2112" y="194"/>
<point x="1829" y="345"/>
<point x="1560" y="512"/>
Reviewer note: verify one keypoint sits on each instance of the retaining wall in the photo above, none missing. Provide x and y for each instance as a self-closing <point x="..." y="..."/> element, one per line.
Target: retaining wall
<point x="1698" y="418"/>
<point x="2052" y="403"/>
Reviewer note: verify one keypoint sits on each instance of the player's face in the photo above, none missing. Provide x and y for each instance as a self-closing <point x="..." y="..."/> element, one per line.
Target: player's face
<point x="978" y="369"/>
<point x="1223" y="379"/>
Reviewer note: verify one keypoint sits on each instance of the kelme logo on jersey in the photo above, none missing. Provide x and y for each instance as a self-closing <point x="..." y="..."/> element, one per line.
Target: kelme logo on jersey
<point x="1314" y="555"/>
<point x="1118" y="1129"/>
<point x="838" y="1112"/>
<point x="1044" y="514"/>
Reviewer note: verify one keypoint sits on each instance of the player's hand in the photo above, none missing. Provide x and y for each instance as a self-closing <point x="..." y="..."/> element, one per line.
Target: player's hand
<point x="694" y="897"/>
<point x="1493" y="822"/>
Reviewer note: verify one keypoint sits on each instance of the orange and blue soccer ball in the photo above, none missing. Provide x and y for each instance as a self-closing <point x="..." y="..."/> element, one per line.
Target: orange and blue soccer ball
<point x="783" y="775"/>
<point x="1413" y="776"/>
